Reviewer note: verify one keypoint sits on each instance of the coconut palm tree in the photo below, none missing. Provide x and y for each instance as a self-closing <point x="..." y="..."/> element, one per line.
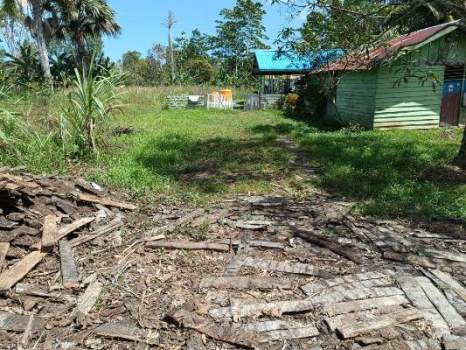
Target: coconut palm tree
<point x="35" y="24"/>
<point x="83" y="21"/>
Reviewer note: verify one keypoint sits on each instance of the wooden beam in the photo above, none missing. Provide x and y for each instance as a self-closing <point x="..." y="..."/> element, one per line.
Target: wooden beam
<point x="66" y="230"/>
<point x="419" y="299"/>
<point x="351" y="330"/>
<point x="17" y="272"/>
<point x="87" y="300"/>
<point x="347" y="252"/>
<point x="19" y="323"/>
<point x="227" y="334"/>
<point x="284" y="266"/>
<point x="359" y="280"/>
<point x="69" y="271"/>
<point x="361" y="305"/>
<point x="448" y="312"/>
<point x="84" y="197"/>
<point x="4" y="246"/>
<point x="113" y="225"/>
<point x="245" y="282"/>
<point x="49" y="232"/>
<point x="189" y="245"/>
<point x="257" y="309"/>
<point x="346" y="294"/>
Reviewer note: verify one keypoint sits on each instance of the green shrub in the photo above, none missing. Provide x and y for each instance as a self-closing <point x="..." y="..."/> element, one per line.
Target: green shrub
<point x="83" y="124"/>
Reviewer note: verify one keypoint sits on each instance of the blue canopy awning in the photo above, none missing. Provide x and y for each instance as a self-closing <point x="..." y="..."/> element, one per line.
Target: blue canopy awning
<point x="276" y="62"/>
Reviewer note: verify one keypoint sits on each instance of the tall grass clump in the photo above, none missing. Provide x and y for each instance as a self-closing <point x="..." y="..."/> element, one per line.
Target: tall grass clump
<point x="83" y="122"/>
<point x="49" y="133"/>
<point x="21" y="143"/>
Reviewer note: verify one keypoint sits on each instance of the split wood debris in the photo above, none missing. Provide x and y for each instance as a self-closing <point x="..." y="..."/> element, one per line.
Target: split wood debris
<point x="344" y="283"/>
<point x="42" y="218"/>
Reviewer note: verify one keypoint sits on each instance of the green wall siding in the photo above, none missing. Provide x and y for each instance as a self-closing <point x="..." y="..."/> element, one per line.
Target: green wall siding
<point x="450" y="49"/>
<point x="409" y="105"/>
<point x="355" y="99"/>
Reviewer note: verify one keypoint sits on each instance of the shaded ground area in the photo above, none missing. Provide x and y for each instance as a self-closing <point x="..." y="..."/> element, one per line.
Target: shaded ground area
<point x="400" y="173"/>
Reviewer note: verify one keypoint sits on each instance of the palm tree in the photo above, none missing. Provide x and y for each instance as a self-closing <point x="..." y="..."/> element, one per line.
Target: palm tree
<point x="35" y="24"/>
<point x="85" y="20"/>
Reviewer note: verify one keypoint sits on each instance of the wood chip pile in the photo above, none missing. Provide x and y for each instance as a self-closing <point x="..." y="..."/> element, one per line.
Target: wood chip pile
<point x="46" y="220"/>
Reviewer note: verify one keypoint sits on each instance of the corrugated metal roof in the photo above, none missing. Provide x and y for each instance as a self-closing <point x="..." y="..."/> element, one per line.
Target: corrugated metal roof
<point x="368" y="59"/>
<point x="274" y="61"/>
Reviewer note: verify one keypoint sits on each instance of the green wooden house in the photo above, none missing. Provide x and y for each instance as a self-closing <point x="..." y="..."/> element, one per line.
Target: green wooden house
<point x="414" y="81"/>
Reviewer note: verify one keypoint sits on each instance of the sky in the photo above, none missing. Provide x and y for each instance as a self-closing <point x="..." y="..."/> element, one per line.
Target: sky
<point x="142" y="20"/>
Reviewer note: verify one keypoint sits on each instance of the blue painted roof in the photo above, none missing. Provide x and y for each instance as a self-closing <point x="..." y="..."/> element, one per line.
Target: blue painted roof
<point x="270" y="61"/>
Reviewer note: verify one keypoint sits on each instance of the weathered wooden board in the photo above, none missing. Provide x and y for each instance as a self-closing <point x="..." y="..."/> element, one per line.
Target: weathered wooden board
<point x="418" y="298"/>
<point x="351" y="329"/>
<point x="453" y="284"/>
<point x="343" y="294"/>
<point x="189" y="245"/>
<point x="442" y="254"/>
<point x="270" y="325"/>
<point x="353" y="281"/>
<point x="284" y="266"/>
<point x="254" y="243"/>
<point x="18" y="323"/>
<point x="257" y="309"/>
<point x="31" y="289"/>
<point x="69" y="271"/>
<point x="410" y="259"/>
<point x="4" y="246"/>
<point x="227" y="333"/>
<point x="66" y="230"/>
<point x="16" y="273"/>
<point x="87" y="300"/>
<point x="124" y="331"/>
<point x="361" y="305"/>
<point x="348" y="252"/>
<point x="453" y="342"/>
<point x="27" y="332"/>
<point x="234" y="266"/>
<point x="309" y="331"/>
<point x="451" y="288"/>
<point x="420" y="344"/>
<point x="84" y="197"/>
<point x="172" y="226"/>
<point x="339" y="321"/>
<point x="49" y="232"/>
<point x="427" y="262"/>
<point x="111" y="226"/>
<point x="210" y="218"/>
<point x="448" y="312"/>
<point x="281" y="330"/>
<point x="361" y="285"/>
<point x="245" y="282"/>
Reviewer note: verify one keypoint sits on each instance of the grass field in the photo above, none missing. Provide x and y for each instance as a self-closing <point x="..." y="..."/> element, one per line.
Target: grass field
<point x="392" y="173"/>
<point x="197" y="155"/>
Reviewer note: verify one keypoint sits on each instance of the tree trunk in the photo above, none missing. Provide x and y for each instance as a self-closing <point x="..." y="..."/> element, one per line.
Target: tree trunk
<point x="81" y="58"/>
<point x="39" y="35"/>
<point x="172" y="57"/>
<point x="460" y="159"/>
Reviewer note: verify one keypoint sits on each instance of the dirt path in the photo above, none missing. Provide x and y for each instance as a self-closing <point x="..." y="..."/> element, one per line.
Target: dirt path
<point x="268" y="272"/>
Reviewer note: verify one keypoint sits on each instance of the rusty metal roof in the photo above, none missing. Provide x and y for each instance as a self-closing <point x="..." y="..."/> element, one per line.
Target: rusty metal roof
<point x="369" y="58"/>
